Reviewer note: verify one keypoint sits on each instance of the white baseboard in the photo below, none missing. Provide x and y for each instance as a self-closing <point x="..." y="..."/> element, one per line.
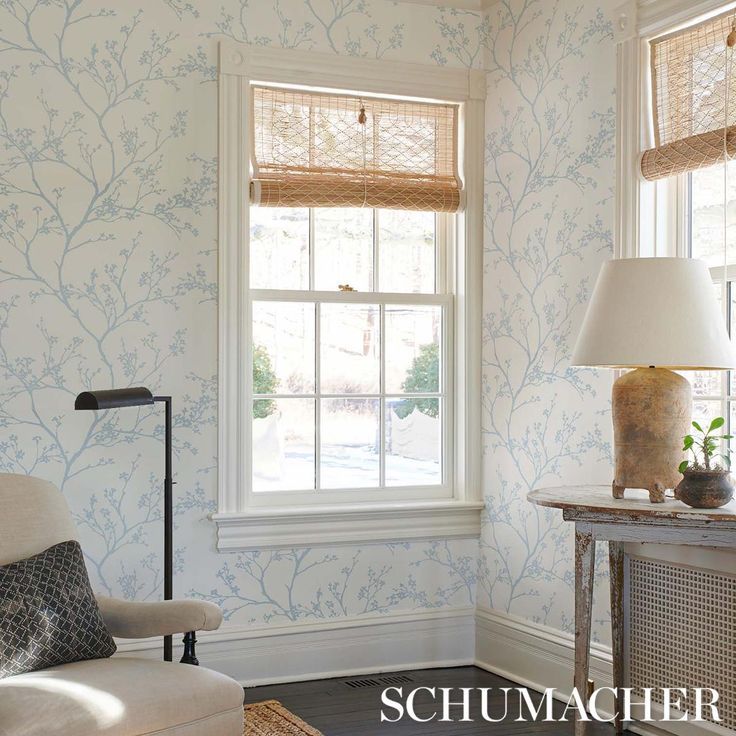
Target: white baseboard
<point x="532" y="655"/>
<point x="340" y="648"/>
<point x="539" y="657"/>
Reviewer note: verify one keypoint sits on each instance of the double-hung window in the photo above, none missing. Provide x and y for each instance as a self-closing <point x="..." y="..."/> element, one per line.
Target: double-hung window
<point x="351" y="328"/>
<point x="350" y="235"/>
<point x="678" y="198"/>
<point x="714" y="391"/>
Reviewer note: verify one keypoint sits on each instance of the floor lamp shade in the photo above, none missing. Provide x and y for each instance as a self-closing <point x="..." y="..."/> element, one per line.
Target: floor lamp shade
<point x="113" y="398"/>
<point x="655" y="315"/>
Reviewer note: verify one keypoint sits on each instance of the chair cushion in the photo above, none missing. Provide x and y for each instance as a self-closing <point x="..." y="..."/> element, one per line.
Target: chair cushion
<point x="121" y="696"/>
<point x="35" y="517"/>
<point x="48" y="613"/>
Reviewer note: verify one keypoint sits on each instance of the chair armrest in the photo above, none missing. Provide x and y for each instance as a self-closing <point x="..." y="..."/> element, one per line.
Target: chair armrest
<point x="135" y="620"/>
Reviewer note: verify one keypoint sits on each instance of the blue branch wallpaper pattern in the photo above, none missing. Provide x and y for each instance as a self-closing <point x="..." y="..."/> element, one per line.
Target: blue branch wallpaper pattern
<point x="549" y="184"/>
<point x="108" y="253"/>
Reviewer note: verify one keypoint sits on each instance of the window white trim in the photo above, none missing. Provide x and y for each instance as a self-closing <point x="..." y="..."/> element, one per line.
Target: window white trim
<point x="240" y="525"/>
<point x="275" y="528"/>
<point x="643" y="227"/>
<point x="645" y="224"/>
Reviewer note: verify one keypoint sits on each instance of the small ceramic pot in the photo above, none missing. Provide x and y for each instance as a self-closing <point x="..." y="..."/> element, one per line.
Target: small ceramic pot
<point x="705" y="489"/>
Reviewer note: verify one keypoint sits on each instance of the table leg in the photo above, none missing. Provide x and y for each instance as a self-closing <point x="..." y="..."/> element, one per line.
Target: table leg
<point x="616" y="564"/>
<point x="584" y="569"/>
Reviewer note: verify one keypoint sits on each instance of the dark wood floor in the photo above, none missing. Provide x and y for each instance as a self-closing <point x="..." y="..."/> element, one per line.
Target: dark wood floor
<point x="338" y="709"/>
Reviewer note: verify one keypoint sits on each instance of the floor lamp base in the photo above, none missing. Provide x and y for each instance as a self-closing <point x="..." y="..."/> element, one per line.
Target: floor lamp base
<point x="190" y="656"/>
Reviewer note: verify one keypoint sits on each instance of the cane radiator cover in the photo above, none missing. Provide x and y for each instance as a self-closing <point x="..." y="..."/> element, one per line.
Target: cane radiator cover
<point x="682" y="624"/>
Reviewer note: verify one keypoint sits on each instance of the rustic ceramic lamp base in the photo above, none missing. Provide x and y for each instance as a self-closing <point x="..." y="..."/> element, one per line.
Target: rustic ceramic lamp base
<point x="651" y="414"/>
<point x="652" y="312"/>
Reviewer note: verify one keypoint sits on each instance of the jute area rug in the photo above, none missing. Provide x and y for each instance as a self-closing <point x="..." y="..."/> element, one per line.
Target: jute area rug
<point x="270" y="718"/>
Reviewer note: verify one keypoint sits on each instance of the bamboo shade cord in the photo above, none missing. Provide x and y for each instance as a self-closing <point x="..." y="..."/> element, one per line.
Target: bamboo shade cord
<point x="315" y="149"/>
<point x="689" y="100"/>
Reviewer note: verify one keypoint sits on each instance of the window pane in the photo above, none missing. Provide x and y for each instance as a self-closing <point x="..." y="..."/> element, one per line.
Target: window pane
<point x="279" y="248"/>
<point x="705" y="383"/>
<point x="283" y="445"/>
<point x="350" y="440"/>
<point x="350" y="348"/>
<point x="731" y="330"/>
<point x="406" y="251"/>
<point x="704" y="412"/>
<point x="413" y="349"/>
<point x="343" y="248"/>
<point x="706" y="188"/>
<point x="283" y="348"/>
<point x="413" y="442"/>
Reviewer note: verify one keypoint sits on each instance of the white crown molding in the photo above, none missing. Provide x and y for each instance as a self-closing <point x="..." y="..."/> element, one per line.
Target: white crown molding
<point x="277" y="528"/>
<point x="338" y="648"/>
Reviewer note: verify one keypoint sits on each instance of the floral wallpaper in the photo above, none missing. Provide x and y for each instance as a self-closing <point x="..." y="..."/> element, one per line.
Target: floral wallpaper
<point x="549" y="182"/>
<point x="108" y="262"/>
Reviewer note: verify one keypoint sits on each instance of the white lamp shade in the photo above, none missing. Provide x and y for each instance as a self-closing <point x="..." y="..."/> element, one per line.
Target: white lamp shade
<point x="660" y="312"/>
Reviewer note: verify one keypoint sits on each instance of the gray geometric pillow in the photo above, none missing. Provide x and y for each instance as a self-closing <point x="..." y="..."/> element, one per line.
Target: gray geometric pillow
<point x="48" y="613"/>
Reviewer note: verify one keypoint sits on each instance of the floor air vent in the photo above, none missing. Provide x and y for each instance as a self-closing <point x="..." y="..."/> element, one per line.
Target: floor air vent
<point x="379" y="681"/>
<point x="362" y="683"/>
<point x="396" y="680"/>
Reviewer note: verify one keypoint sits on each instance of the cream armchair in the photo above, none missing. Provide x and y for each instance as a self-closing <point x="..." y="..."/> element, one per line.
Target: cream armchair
<point x="120" y="696"/>
<point x="134" y="620"/>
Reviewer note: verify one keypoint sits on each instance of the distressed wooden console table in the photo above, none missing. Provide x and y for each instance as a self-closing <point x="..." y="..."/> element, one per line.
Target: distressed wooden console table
<point x="600" y="517"/>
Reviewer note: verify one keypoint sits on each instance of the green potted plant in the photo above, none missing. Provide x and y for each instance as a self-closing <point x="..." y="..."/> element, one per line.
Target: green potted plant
<point x="705" y="484"/>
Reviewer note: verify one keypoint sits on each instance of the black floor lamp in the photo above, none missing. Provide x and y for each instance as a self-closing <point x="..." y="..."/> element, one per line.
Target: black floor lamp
<point x="140" y="396"/>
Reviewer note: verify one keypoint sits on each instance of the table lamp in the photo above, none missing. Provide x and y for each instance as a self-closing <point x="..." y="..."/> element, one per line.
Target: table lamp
<point x="655" y="315"/>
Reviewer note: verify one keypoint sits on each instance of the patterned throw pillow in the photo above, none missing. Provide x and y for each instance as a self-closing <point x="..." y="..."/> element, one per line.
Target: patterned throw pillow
<point x="48" y="613"/>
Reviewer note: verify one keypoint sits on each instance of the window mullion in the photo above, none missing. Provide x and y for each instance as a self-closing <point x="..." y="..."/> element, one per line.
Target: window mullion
<point x="422" y="395"/>
<point x="311" y="249"/>
<point x="317" y="397"/>
<point x="375" y="251"/>
<point x="439" y="255"/>
<point x="348" y="297"/>
<point x="382" y="401"/>
<point x="726" y="390"/>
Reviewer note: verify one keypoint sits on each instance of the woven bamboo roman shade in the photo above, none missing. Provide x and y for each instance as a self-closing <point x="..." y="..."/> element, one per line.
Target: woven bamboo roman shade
<point x="315" y="149"/>
<point x="689" y="75"/>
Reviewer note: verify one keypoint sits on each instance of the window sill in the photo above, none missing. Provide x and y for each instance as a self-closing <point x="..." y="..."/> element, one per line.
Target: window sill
<point x="309" y="526"/>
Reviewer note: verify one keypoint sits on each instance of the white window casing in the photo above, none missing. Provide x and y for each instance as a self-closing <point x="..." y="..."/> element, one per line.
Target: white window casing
<point x="650" y="216"/>
<point x="272" y="520"/>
